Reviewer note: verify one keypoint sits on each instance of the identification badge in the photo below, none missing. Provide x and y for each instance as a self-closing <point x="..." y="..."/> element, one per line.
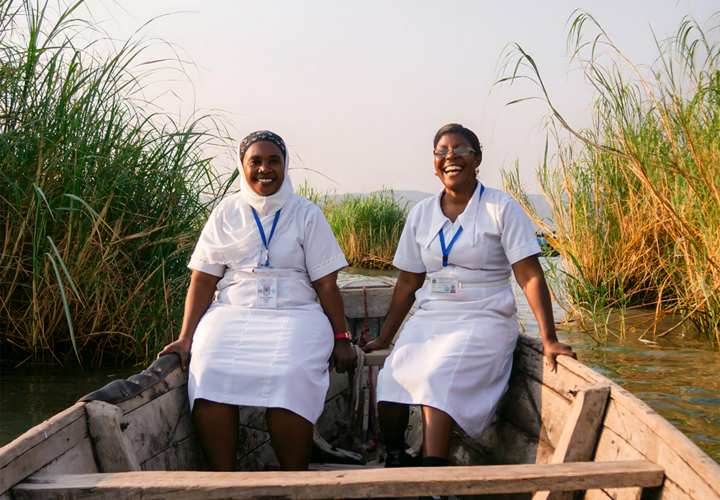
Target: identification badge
<point x="445" y="285"/>
<point x="267" y="288"/>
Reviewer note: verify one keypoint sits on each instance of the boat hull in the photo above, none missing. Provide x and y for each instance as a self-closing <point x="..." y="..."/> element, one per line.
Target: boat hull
<point x="157" y="427"/>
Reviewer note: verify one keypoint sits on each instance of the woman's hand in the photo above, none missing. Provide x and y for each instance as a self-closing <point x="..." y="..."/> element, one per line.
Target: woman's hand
<point x="181" y="347"/>
<point x="553" y="349"/>
<point x="531" y="278"/>
<point x="376" y="345"/>
<point x="199" y="297"/>
<point x="402" y="300"/>
<point x="343" y="356"/>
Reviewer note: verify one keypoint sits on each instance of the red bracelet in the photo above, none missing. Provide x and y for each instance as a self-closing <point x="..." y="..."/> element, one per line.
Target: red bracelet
<point x="346" y="335"/>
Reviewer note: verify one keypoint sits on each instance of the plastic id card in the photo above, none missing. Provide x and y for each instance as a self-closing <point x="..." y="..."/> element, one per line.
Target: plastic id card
<point x="267" y="288"/>
<point x="445" y="285"/>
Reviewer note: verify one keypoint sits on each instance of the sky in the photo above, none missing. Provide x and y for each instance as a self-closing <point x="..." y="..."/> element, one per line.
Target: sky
<point x="358" y="88"/>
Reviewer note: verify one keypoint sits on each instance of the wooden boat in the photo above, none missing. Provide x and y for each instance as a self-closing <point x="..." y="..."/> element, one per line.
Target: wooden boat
<point x="555" y="433"/>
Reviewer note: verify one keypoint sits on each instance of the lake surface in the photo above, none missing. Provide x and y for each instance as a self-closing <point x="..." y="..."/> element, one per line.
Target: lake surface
<point x="678" y="376"/>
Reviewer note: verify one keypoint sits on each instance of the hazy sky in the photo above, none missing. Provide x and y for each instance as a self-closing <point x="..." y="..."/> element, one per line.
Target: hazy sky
<point x="359" y="88"/>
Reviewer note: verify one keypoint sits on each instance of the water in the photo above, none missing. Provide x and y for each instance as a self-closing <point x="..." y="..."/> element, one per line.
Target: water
<point x="678" y="376"/>
<point x="30" y="395"/>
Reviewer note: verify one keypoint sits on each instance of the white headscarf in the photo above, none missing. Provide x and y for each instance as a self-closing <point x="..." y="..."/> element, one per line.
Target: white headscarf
<point x="264" y="205"/>
<point x="230" y="233"/>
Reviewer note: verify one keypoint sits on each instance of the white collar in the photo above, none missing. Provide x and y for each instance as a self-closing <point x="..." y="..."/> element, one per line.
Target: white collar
<point x="466" y="219"/>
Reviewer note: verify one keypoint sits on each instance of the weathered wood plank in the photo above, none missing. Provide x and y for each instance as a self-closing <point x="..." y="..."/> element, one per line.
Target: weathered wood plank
<point x="156" y="426"/>
<point x="530" y="360"/>
<point x="40" y="433"/>
<point x="378" y="302"/>
<point x="579" y="438"/>
<point x="535" y="408"/>
<point x="377" y="358"/>
<point x="597" y="495"/>
<point x="501" y="444"/>
<point x="253" y="416"/>
<point x="250" y="439"/>
<point x="366" y="483"/>
<point x="653" y="436"/>
<point x="644" y="439"/>
<point x="185" y="455"/>
<point x="334" y="422"/>
<point x="339" y="382"/>
<point x="77" y="460"/>
<point x="610" y="448"/>
<point x="57" y="442"/>
<point x="259" y="459"/>
<point x="112" y="448"/>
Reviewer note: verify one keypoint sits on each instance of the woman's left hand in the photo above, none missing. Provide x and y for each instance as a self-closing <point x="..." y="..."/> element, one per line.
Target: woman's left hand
<point x="343" y="356"/>
<point x="553" y="349"/>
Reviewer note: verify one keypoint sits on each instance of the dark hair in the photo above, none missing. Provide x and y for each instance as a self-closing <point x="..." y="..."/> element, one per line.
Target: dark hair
<point x="456" y="128"/>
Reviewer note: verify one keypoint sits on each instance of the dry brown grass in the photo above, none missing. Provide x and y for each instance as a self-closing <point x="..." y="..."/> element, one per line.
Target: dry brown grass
<point x="636" y="198"/>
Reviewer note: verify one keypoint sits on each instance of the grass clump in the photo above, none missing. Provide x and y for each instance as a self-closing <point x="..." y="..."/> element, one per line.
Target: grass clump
<point x="636" y="196"/>
<point x="367" y="228"/>
<point x="100" y="201"/>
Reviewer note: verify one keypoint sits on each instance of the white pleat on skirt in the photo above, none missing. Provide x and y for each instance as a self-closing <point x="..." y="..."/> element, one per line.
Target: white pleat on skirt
<point x="455" y="355"/>
<point x="274" y="358"/>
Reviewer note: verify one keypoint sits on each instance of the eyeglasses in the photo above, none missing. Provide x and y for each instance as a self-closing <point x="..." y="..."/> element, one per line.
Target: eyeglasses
<point x="443" y="153"/>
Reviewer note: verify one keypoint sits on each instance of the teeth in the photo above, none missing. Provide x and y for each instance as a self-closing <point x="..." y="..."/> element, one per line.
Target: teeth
<point x="453" y="169"/>
<point x="265" y="181"/>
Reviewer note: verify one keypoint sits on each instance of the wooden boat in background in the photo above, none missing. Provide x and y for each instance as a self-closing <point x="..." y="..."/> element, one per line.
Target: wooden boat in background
<point x="555" y="432"/>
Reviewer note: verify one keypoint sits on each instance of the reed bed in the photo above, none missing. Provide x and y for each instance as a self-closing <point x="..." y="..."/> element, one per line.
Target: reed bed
<point x="636" y="196"/>
<point x="100" y="199"/>
<point x="367" y="228"/>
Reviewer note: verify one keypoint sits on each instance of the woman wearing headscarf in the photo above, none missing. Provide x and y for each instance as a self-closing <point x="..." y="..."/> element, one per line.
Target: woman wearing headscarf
<point x="455" y="354"/>
<point x="265" y="341"/>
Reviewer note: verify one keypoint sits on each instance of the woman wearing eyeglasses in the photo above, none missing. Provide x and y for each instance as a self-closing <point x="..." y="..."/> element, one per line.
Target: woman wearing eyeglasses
<point x="278" y="324"/>
<point x="454" y="355"/>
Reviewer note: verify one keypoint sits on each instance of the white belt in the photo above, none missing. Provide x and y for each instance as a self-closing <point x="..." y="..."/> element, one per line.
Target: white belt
<point x="484" y="285"/>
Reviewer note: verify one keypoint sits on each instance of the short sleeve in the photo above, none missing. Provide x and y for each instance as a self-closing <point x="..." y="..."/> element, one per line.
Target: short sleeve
<point x="408" y="256"/>
<point x="518" y="236"/>
<point x="322" y="252"/>
<point x="198" y="265"/>
<point x="200" y="261"/>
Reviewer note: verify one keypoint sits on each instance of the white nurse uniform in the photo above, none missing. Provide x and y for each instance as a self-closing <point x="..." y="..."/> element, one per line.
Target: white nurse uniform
<point x="250" y="356"/>
<point x="455" y="353"/>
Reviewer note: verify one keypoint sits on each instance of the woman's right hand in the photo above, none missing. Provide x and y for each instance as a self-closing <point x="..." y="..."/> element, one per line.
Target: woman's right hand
<point x="182" y="347"/>
<point x="376" y="345"/>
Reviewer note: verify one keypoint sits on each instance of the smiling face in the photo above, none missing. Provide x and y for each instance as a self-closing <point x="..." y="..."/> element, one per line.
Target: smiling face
<point x="264" y="168"/>
<point x="457" y="173"/>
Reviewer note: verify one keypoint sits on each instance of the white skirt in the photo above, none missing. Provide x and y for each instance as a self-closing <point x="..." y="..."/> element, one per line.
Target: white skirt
<point x="455" y="355"/>
<point x="273" y="358"/>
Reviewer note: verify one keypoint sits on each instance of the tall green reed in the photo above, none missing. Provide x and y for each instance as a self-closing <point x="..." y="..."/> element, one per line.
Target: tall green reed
<point x="367" y="228"/>
<point x="636" y="196"/>
<point x="100" y="199"/>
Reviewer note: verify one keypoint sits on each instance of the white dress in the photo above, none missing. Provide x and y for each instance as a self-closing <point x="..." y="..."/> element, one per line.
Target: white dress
<point x="455" y="354"/>
<point x="249" y="356"/>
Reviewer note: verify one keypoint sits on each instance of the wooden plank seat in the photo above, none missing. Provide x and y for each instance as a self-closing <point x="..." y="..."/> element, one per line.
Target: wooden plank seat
<point x="367" y="483"/>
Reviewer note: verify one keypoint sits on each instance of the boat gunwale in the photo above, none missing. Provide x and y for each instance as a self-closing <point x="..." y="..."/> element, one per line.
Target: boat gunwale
<point x="704" y="467"/>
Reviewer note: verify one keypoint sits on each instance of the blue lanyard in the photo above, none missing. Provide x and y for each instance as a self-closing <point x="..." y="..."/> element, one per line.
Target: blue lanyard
<point x="262" y="234"/>
<point x="446" y="251"/>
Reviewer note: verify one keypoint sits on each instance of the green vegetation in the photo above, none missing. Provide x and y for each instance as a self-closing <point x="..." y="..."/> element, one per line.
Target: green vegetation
<point x="367" y="228"/>
<point x="636" y="197"/>
<point x="100" y="200"/>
